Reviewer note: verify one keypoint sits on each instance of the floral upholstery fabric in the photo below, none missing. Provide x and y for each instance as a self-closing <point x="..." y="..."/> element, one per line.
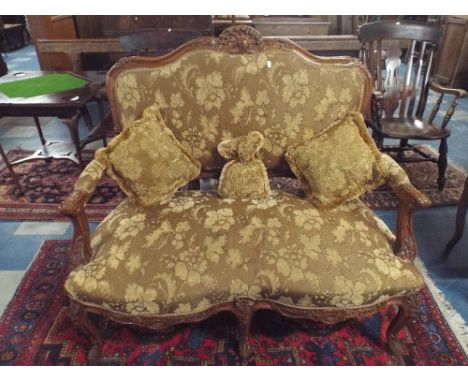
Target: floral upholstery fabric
<point x="147" y="161"/>
<point x="394" y="174"/>
<point x="199" y="250"/>
<point x="90" y="177"/>
<point x="340" y="164"/>
<point x="244" y="176"/>
<point x="207" y="96"/>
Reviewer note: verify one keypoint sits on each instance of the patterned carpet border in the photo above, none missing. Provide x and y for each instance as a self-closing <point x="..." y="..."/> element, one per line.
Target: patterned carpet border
<point x="35" y="330"/>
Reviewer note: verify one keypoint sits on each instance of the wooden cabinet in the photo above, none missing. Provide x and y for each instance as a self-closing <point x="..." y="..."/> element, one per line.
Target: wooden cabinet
<point x="53" y="27"/>
<point x="452" y="62"/>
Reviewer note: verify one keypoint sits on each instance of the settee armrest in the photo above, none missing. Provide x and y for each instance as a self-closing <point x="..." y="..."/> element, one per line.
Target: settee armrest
<point x="397" y="179"/>
<point x="74" y="207"/>
<point x="444" y="90"/>
<point x="409" y="197"/>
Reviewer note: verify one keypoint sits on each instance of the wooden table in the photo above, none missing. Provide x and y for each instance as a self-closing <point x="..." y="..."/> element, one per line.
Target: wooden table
<point x="69" y="106"/>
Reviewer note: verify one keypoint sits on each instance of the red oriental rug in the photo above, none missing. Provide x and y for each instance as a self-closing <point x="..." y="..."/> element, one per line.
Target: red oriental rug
<point x="47" y="184"/>
<point x="36" y="330"/>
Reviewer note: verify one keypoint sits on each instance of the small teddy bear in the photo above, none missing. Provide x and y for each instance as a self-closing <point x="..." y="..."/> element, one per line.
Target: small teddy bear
<point x="245" y="175"/>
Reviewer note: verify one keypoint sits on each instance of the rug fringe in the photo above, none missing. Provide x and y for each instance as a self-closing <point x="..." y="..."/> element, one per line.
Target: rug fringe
<point x="454" y="319"/>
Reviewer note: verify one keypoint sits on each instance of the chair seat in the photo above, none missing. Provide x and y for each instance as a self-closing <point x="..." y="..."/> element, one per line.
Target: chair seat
<point x="411" y="128"/>
<point x="200" y="250"/>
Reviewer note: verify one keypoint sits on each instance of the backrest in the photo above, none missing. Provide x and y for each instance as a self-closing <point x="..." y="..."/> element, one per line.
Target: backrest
<point x="212" y="89"/>
<point x="384" y="40"/>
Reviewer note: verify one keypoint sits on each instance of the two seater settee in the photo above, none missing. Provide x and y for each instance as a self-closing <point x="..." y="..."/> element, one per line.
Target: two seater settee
<point x="200" y="253"/>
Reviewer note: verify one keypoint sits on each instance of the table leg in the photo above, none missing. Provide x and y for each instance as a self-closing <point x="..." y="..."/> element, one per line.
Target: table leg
<point x="10" y="168"/>
<point x="460" y="221"/>
<point x="87" y="117"/>
<point x="45" y="150"/>
<point x="72" y="124"/>
<point x="39" y="130"/>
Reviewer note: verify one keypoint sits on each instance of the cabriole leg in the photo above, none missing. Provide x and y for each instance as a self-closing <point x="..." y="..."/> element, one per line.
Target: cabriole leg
<point x="81" y="321"/>
<point x="406" y="312"/>
<point x="244" y="312"/>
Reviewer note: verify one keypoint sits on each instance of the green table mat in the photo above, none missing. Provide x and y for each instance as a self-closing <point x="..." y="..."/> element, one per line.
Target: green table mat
<point x="46" y="84"/>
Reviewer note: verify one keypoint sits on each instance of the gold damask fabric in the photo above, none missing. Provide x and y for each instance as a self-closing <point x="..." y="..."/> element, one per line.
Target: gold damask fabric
<point x="90" y="177"/>
<point x="340" y="164"/>
<point x="394" y="175"/>
<point x="200" y="249"/>
<point x="207" y="96"/>
<point x="147" y="161"/>
<point x="244" y="176"/>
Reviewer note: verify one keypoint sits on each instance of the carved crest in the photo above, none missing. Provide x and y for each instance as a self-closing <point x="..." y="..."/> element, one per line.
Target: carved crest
<point x="240" y="39"/>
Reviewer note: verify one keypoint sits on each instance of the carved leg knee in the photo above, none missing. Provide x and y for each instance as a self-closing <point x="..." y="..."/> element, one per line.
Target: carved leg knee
<point x="244" y="313"/>
<point x="80" y="319"/>
<point x="406" y="311"/>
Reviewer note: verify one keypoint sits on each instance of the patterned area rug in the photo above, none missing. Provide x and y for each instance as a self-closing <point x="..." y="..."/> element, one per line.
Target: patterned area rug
<point x="36" y="330"/>
<point x="47" y="184"/>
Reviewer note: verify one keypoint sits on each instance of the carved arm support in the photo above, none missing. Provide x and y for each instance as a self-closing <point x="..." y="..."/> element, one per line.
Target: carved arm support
<point x="410" y="197"/>
<point x="74" y="207"/>
<point x="456" y="93"/>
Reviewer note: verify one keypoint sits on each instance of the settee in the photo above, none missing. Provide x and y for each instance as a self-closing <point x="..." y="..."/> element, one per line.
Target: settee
<point x="199" y="253"/>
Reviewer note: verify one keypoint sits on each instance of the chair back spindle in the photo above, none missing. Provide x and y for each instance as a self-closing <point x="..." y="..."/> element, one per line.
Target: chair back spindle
<point x="384" y="40"/>
<point x="406" y="84"/>
<point x="422" y="51"/>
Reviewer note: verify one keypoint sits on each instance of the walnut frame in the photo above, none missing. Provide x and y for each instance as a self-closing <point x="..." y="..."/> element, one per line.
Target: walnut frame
<point x="238" y="40"/>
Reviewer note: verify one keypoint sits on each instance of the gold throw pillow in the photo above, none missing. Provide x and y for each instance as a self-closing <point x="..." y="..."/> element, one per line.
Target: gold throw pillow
<point x="338" y="165"/>
<point x="245" y="175"/>
<point x="147" y="161"/>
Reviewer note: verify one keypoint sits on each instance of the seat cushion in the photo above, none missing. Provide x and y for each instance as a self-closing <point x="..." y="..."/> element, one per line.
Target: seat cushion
<point x="200" y="249"/>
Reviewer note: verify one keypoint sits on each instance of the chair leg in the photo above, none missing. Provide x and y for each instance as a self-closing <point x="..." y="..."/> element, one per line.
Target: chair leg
<point x="244" y="312"/>
<point x="442" y="163"/>
<point x="401" y="151"/>
<point x="406" y="311"/>
<point x="460" y="222"/>
<point x="81" y="321"/>
<point x="378" y="139"/>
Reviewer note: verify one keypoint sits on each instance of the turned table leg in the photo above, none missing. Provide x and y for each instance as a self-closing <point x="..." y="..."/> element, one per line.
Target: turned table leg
<point x="10" y="168"/>
<point x="460" y="221"/>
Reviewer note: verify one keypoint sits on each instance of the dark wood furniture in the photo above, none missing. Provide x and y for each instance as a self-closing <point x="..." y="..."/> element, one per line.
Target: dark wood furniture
<point x="407" y="96"/>
<point x="451" y="68"/>
<point x="460" y="221"/>
<point x="290" y="26"/>
<point x="3" y="66"/>
<point x="56" y="27"/>
<point x="68" y="106"/>
<point x="12" y="36"/>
